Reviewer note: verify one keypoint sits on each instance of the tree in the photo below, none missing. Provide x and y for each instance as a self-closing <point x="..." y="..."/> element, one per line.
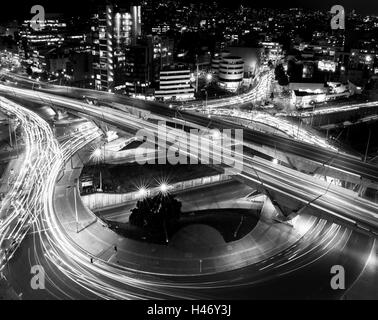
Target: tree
<point x="281" y="75"/>
<point x="29" y="71"/>
<point x="157" y="214"/>
<point x="283" y="81"/>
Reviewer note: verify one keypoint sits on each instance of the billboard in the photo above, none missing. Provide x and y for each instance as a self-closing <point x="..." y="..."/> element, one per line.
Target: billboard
<point x="325" y="65"/>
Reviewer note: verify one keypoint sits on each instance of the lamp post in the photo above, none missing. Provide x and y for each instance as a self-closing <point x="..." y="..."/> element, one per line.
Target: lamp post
<point x="206" y="101"/>
<point x="96" y="157"/>
<point x="10" y="132"/>
<point x="197" y="73"/>
<point x="75" y="202"/>
<point x="367" y="146"/>
<point x="206" y="98"/>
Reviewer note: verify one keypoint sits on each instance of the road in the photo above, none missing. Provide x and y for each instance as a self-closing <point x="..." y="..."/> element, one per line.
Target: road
<point x="21" y="205"/>
<point x="337" y="203"/>
<point x="71" y="275"/>
<point x="284" y="274"/>
<point x="258" y="93"/>
<point x="337" y="109"/>
<point x="273" y="124"/>
<point x="335" y="159"/>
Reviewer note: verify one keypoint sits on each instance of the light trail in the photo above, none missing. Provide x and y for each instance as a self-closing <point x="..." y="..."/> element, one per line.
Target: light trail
<point x="109" y="281"/>
<point x="331" y="110"/>
<point x="296" y="132"/>
<point x="258" y="93"/>
<point x="21" y="205"/>
<point x="288" y="182"/>
<point x="96" y="277"/>
<point x="104" y="280"/>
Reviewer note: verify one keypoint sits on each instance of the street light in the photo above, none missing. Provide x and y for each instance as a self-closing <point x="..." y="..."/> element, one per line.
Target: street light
<point x="96" y="154"/>
<point x="75" y="202"/>
<point x="142" y="192"/>
<point x="163" y="188"/>
<point x="216" y="134"/>
<point x="206" y="100"/>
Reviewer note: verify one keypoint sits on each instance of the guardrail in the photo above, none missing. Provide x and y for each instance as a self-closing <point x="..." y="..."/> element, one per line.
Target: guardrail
<point x="99" y="200"/>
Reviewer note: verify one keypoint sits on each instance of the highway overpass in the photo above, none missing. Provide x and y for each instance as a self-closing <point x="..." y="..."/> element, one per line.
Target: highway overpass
<point x="287" y="187"/>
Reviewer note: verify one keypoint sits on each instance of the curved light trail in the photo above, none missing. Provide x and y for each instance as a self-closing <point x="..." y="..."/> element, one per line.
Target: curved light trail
<point x="109" y="281"/>
<point x="338" y="202"/>
<point x="22" y="204"/>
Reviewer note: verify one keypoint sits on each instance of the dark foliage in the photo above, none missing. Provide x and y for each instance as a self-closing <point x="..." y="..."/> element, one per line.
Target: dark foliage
<point x="281" y="76"/>
<point x="158" y="214"/>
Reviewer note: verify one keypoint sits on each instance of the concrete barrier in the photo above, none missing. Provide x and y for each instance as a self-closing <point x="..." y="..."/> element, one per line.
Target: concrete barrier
<point x="102" y="200"/>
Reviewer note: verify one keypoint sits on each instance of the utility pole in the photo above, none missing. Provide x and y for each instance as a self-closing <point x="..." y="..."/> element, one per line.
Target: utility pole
<point x="208" y="110"/>
<point x="367" y="146"/>
<point x="15" y="139"/>
<point x="312" y="115"/>
<point x="100" y="180"/>
<point x="299" y="125"/>
<point x="10" y="132"/>
<point x="197" y="73"/>
<point x="75" y="202"/>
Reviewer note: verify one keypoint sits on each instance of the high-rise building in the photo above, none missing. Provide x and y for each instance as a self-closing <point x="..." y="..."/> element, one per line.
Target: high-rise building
<point x="51" y="34"/>
<point x="216" y="60"/>
<point x="114" y="30"/>
<point x="175" y="84"/>
<point x="231" y="72"/>
<point x="139" y="67"/>
<point x="163" y="50"/>
<point x="136" y="30"/>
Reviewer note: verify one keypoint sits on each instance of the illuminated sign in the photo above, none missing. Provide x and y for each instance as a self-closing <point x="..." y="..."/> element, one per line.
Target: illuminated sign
<point x="87" y="184"/>
<point x="327" y="65"/>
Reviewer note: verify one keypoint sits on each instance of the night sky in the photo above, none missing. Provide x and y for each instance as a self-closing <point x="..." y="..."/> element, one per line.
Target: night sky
<point x="20" y="9"/>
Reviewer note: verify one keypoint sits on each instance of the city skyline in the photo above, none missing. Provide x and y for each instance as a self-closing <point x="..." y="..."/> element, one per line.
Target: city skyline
<point x="70" y="7"/>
